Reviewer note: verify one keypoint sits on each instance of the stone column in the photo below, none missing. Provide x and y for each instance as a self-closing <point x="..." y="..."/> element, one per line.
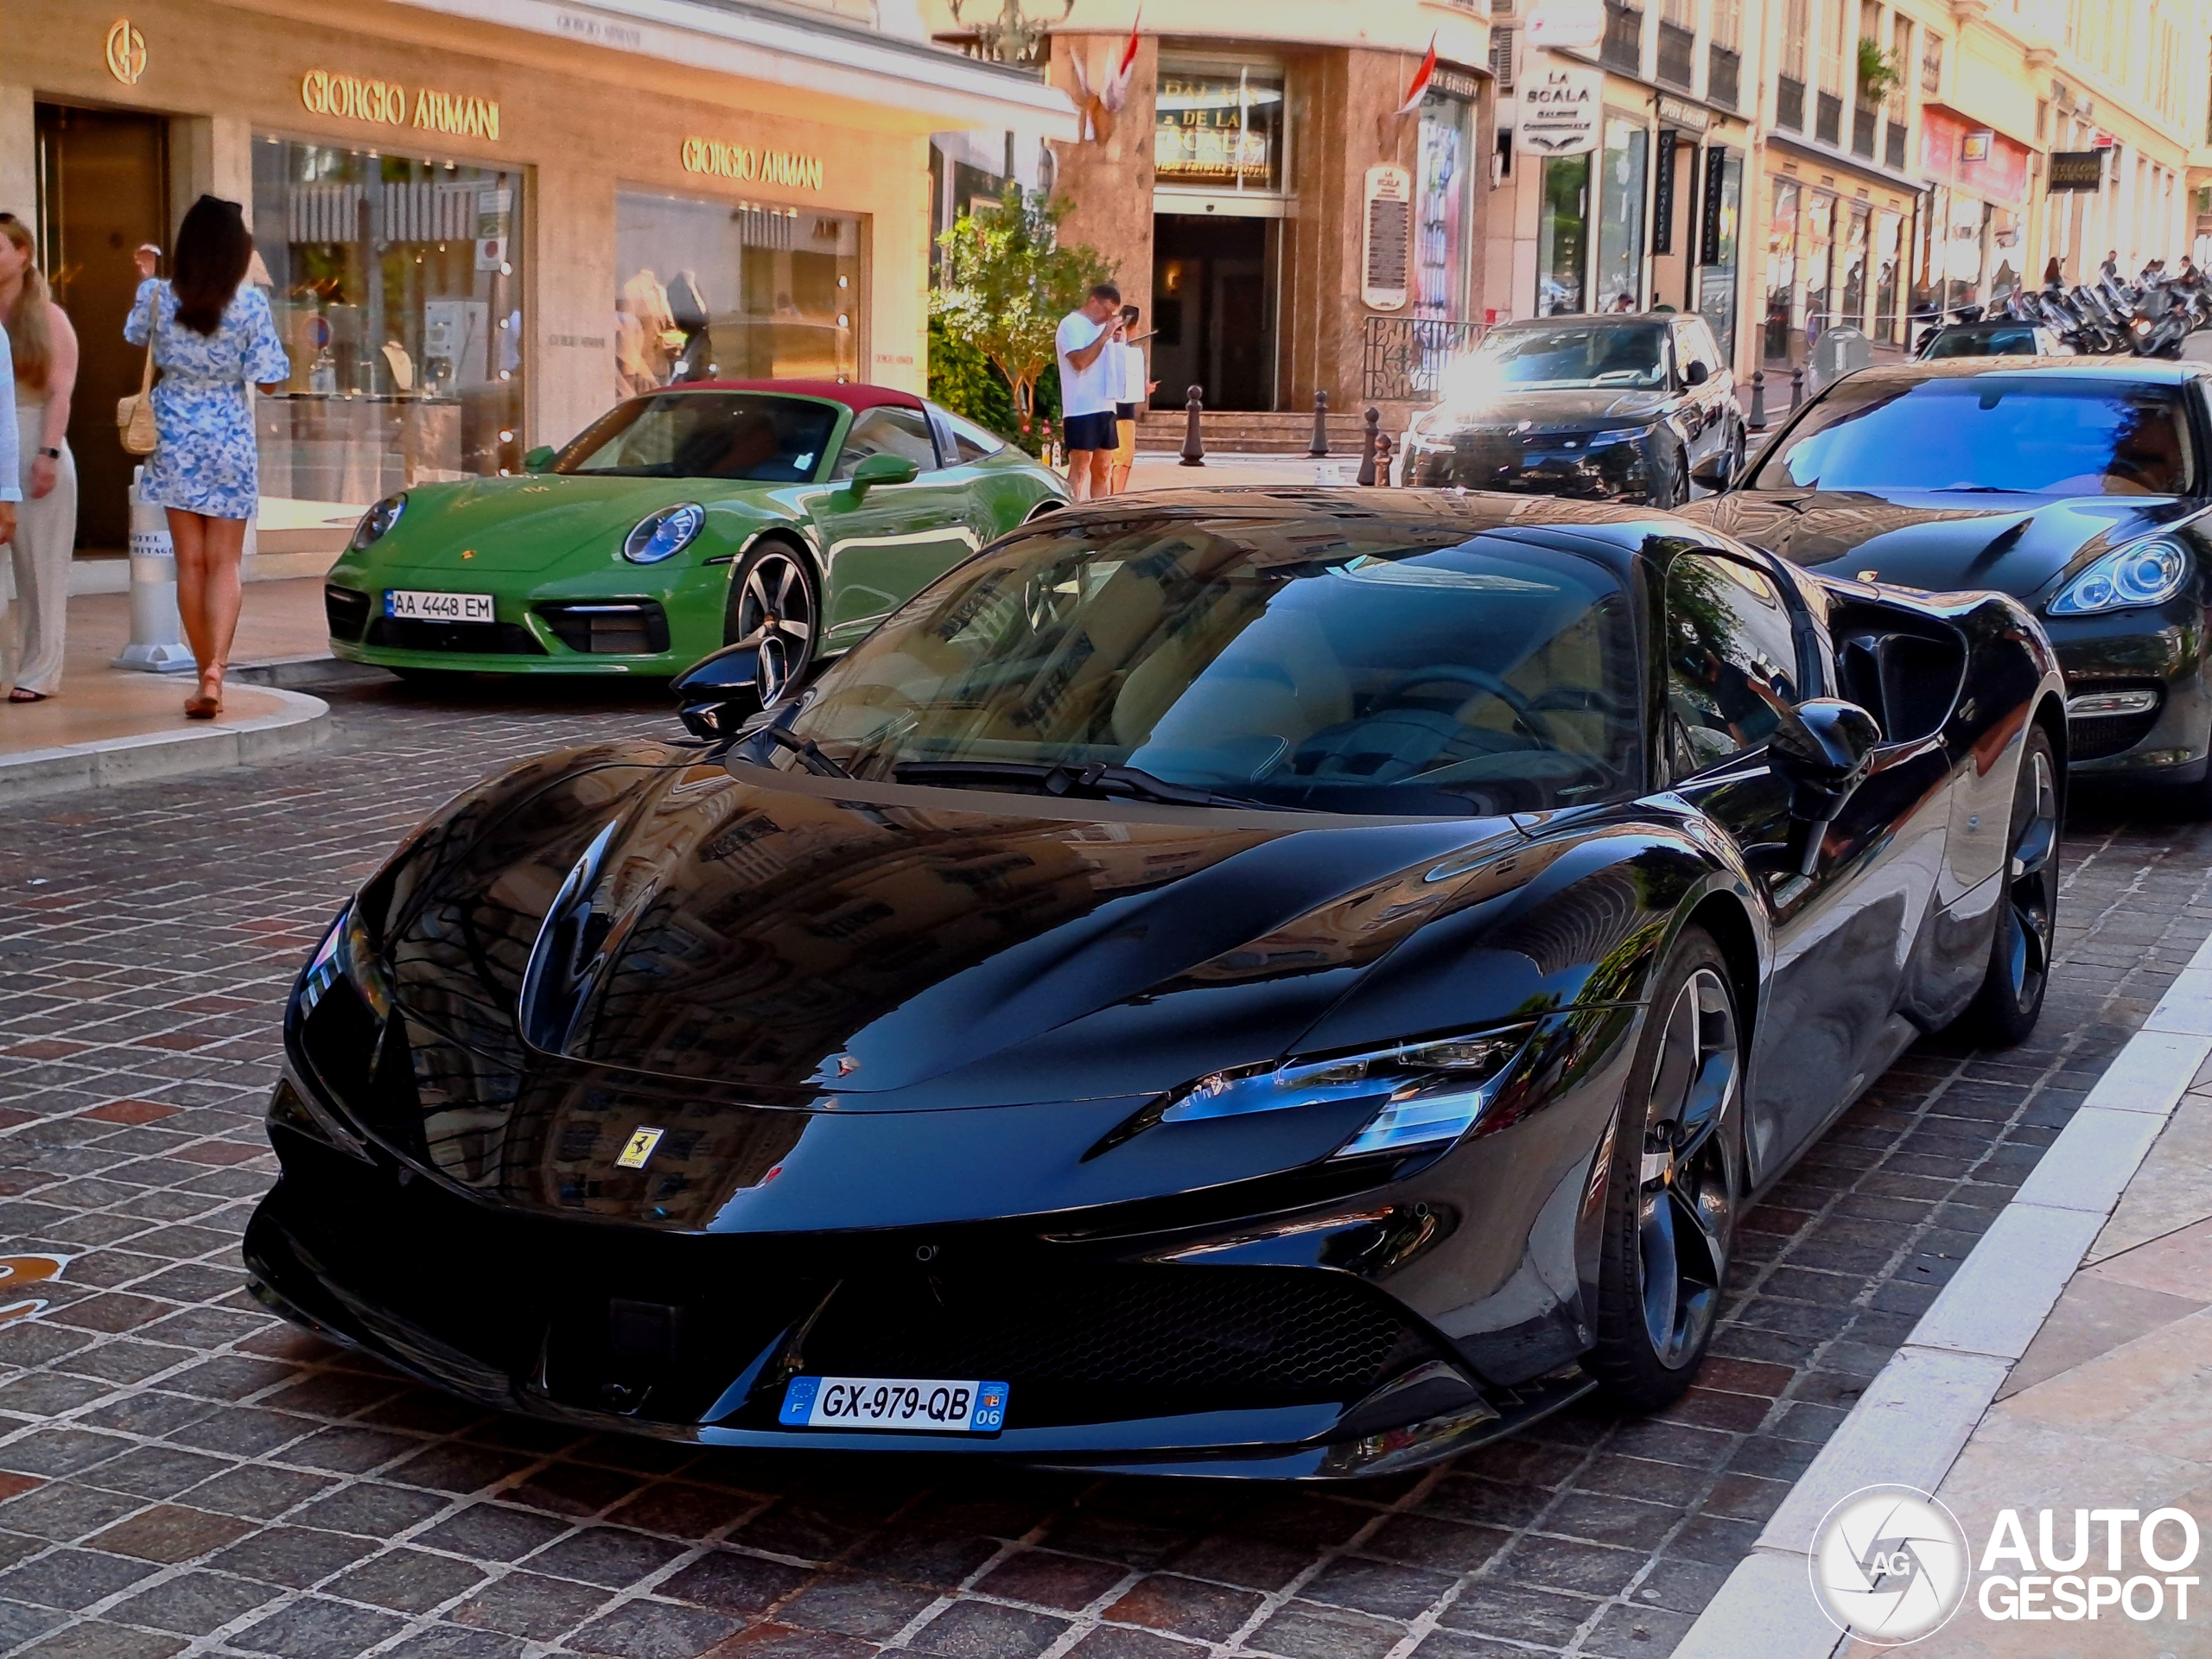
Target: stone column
<point x="19" y="154"/>
<point x="1107" y="187"/>
<point x="572" y="282"/>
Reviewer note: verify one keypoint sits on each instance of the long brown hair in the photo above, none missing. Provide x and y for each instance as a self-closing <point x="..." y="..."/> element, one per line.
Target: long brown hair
<point x="31" y="337"/>
<point x="213" y="250"/>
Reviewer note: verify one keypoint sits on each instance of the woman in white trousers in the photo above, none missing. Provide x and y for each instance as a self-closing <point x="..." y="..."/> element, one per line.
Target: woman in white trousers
<point x="45" y="351"/>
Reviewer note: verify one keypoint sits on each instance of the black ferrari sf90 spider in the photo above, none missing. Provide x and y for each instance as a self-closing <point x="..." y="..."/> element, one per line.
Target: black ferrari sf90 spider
<point x="1231" y="981"/>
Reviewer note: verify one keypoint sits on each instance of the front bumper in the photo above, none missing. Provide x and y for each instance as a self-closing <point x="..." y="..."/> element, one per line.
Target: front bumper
<point x="519" y="1314"/>
<point x="648" y="622"/>
<point x="2158" y="650"/>
<point x="1534" y="463"/>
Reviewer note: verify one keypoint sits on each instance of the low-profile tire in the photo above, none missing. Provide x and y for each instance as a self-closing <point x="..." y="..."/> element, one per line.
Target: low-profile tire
<point x="1672" y="486"/>
<point x="1674" y="1183"/>
<point x="774" y="591"/>
<point x="2005" y="1010"/>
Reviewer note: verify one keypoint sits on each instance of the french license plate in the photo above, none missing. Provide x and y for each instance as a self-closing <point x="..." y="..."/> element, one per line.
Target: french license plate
<point x="413" y="605"/>
<point x="928" y="1405"/>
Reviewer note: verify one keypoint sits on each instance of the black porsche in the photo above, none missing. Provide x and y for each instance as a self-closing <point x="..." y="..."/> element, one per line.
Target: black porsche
<point x="2079" y="486"/>
<point x="1632" y="408"/>
<point x="1236" y="982"/>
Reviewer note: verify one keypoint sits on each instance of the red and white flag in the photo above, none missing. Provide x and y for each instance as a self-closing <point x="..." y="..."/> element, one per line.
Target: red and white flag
<point x="1421" y="80"/>
<point x="1116" y="92"/>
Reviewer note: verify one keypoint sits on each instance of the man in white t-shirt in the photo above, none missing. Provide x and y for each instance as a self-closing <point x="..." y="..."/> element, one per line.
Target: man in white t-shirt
<point x="1089" y="373"/>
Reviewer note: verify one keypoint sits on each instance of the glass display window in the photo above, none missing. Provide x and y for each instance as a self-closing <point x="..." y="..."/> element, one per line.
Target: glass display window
<point x="396" y="284"/>
<point x="1218" y="125"/>
<point x="1445" y="202"/>
<point x="734" y="290"/>
<point x="1623" y="174"/>
<point x="1562" y="235"/>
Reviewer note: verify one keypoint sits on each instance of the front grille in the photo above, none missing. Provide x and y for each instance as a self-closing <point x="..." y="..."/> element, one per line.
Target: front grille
<point x="347" y="612"/>
<point x="478" y="638"/>
<point x="623" y="627"/>
<point x="1268" y="1329"/>
<point x="2095" y="736"/>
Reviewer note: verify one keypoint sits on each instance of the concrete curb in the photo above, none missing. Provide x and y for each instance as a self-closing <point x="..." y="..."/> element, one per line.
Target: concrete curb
<point x="314" y="668"/>
<point x="1910" y="1425"/>
<point x="303" y="723"/>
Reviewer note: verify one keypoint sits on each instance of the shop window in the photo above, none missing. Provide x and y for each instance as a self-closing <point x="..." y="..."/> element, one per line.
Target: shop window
<point x="1781" y="269"/>
<point x="732" y="290"/>
<point x="1853" y="309"/>
<point x="1446" y="205"/>
<point x="1562" y="235"/>
<point x="1218" y="126"/>
<point x="1724" y="203"/>
<point x="1888" y="258"/>
<point x="397" y="285"/>
<point x="1620" y="226"/>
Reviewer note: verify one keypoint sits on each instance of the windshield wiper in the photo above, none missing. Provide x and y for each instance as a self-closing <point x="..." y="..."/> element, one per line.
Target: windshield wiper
<point x="1094" y="780"/>
<point x="809" y="754"/>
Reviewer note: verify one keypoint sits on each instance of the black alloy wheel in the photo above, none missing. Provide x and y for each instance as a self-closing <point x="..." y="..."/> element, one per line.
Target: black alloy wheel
<point x="1671" y="1199"/>
<point x="1672" y="486"/>
<point x="2005" y="1010"/>
<point x="773" y="596"/>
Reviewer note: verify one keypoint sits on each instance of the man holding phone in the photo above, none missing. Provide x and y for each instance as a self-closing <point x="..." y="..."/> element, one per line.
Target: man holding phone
<point x="1090" y="371"/>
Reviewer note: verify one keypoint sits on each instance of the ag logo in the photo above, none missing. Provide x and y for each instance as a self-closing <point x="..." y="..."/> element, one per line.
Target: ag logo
<point x="126" y="52"/>
<point x="1890" y="1564"/>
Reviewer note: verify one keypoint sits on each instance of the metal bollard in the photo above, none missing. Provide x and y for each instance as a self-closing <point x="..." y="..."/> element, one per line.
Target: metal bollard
<point x="1194" y="443"/>
<point x="1320" y="444"/>
<point x="1758" y="422"/>
<point x="1797" y="389"/>
<point x="1372" y="430"/>
<point x="157" y="631"/>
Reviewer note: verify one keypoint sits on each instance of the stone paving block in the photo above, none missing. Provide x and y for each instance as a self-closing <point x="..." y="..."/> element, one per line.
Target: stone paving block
<point x="983" y="1630"/>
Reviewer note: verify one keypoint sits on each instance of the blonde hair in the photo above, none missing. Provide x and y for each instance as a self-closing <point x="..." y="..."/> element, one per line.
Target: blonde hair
<point x="29" y="335"/>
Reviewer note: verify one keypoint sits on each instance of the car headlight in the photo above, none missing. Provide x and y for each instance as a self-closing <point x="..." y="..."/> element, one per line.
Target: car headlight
<point x="1620" y="434"/>
<point x="346" y="953"/>
<point x="1425" y="1094"/>
<point x="2147" y="572"/>
<point x="376" y="523"/>
<point x="664" y="534"/>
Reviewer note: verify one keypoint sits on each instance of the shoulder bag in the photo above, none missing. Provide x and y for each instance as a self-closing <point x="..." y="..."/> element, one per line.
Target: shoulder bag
<point x="134" y="416"/>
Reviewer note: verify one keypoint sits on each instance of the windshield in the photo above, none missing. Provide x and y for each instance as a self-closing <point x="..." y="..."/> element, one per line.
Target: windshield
<point x="2017" y="342"/>
<point x="750" y="435"/>
<point x="1291" y="663"/>
<point x="1627" y="354"/>
<point x="1989" y="432"/>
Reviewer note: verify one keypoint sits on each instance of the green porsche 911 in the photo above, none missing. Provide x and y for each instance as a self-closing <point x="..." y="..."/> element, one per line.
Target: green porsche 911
<point x="681" y="521"/>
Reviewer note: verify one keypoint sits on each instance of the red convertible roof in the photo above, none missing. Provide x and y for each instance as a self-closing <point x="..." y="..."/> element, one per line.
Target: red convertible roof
<point x="852" y="394"/>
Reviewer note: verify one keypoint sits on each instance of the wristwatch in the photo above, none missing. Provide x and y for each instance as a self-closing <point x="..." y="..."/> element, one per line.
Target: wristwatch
<point x="51" y="455"/>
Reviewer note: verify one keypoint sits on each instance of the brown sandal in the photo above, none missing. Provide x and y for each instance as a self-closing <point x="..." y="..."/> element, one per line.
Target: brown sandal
<point x="202" y="705"/>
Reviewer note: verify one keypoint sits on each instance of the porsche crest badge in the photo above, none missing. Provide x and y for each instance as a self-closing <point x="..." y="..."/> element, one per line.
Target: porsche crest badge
<point x="639" y="1151"/>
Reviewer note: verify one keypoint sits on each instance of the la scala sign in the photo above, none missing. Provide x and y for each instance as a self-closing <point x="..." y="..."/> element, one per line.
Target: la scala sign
<point x="1560" y="104"/>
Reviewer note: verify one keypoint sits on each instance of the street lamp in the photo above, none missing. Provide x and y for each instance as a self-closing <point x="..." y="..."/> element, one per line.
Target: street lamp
<point x="1013" y="37"/>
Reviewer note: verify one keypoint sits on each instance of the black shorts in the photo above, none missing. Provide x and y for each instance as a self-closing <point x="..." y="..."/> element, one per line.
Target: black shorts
<point x="1090" y="431"/>
<point x="1125" y="411"/>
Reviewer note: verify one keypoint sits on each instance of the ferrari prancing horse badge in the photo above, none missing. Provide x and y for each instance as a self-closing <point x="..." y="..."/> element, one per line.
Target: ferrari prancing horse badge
<point x="641" y="1149"/>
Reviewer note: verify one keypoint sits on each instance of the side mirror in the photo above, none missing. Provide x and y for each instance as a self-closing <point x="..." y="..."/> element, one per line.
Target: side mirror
<point x="1715" y="472"/>
<point x="1822" y="749"/>
<point x="1697" y="374"/>
<point x="883" y="469"/>
<point x="721" y="691"/>
<point x="539" y="459"/>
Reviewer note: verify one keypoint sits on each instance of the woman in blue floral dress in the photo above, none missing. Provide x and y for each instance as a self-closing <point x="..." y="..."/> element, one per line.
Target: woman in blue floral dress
<point x="211" y="337"/>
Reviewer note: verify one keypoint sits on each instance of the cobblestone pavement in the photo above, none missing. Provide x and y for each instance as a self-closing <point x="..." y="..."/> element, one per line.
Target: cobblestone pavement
<point x="182" y="1474"/>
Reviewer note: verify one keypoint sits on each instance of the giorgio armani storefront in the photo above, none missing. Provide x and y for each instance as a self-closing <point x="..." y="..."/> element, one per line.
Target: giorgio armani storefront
<point x="474" y="238"/>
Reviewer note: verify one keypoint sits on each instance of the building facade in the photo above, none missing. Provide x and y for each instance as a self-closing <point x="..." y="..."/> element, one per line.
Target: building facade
<point x="480" y="226"/>
<point x="1234" y="186"/>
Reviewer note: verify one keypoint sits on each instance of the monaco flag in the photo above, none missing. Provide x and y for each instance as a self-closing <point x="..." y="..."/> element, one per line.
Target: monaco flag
<point x="1421" y="80"/>
<point x="1117" y="84"/>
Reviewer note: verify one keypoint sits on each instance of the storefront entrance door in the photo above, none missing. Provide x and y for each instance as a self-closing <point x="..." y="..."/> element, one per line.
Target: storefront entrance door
<point x="103" y="190"/>
<point x="1213" y="304"/>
